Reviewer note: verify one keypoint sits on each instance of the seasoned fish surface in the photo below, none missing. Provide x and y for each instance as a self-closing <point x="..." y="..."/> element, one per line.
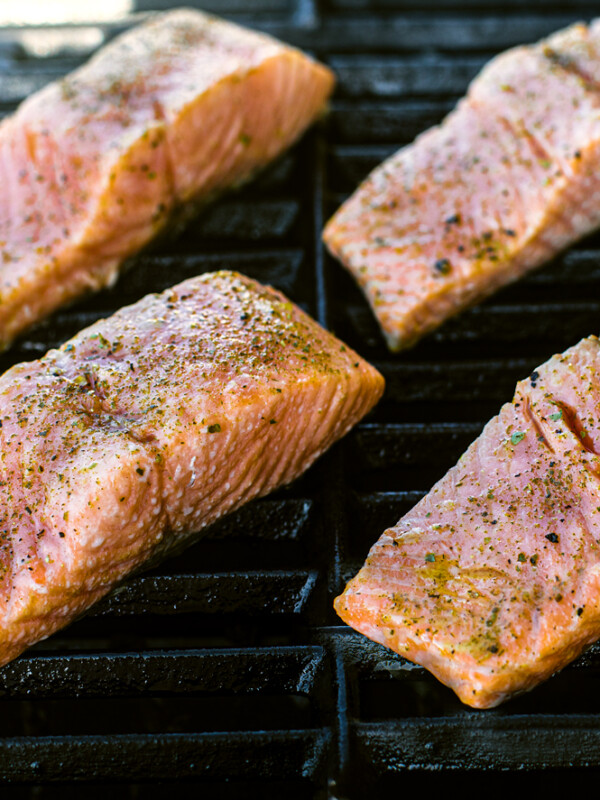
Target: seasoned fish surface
<point x="502" y="185"/>
<point x="93" y="166"/>
<point x="150" y="425"/>
<point x="492" y="581"/>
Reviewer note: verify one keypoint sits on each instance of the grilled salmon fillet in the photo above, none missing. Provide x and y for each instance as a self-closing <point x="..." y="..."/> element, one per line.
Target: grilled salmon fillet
<point x="93" y="166"/>
<point x="150" y="425"/>
<point x="502" y="185"/>
<point x="492" y="581"/>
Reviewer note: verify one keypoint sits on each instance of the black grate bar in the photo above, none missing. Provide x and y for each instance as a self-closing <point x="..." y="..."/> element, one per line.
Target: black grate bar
<point x="385" y="120"/>
<point x="235" y="220"/>
<point x="477" y="741"/>
<point x="225" y="756"/>
<point x="410" y="32"/>
<point x="515" y="323"/>
<point x="232" y="671"/>
<point x="542" y="326"/>
<point x="389" y="76"/>
<point x="318" y="190"/>
<point x="267" y="519"/>
<point x="452" y="381"/>
<point x="282" y="592"/>
<point x="409" y="445"/>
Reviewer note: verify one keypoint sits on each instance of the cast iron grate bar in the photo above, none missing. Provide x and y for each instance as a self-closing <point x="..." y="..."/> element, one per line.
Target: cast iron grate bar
<point x="217" y="671"/>
<point x="216" y="756"/>
<point x="528" y="743"/>
<point x="258" y="592"/>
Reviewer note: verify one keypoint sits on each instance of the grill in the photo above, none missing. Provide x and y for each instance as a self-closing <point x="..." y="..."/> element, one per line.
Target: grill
<point x="226" y="667"/>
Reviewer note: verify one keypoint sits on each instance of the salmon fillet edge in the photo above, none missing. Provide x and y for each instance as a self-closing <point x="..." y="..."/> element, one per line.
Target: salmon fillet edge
<point x="126" y="442"/>
<point x="159" y="122"/>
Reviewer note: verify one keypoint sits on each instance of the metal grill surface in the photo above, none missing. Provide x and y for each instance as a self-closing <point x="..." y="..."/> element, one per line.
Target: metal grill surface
<point x="226" y="667"/>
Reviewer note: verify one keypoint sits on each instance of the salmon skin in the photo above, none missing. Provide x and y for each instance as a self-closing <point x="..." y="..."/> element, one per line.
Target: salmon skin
<point x="503" y="184"/>
<point x="167" y="116"/>
<point x="492" y="581"/>
<point x="150" y="425"/>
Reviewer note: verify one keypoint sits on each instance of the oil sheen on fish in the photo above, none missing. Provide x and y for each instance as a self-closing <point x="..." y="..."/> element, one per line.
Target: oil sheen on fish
<point x="492" y="581"/>
<point x="503" y="184"/>
<point x="150" y="425"/>
<point x="167" y="116"/>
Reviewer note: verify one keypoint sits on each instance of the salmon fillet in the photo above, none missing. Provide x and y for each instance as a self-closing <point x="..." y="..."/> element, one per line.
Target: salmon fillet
<point x="503" y="184"/>
<point x="492" y="581"/>
<point x="93" y="166"/>
<point x="150" y="425"/>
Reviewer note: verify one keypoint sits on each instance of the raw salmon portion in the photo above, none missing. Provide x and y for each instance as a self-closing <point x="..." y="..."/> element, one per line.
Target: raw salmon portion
<point x="150" y="425"/>
<point x="492" y="581"/>
<point x="93" y="166"/>
<point x="503" y="184"/>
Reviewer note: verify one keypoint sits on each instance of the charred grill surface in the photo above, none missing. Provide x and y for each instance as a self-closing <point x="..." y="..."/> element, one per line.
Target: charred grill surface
<point x="226" y="667"/>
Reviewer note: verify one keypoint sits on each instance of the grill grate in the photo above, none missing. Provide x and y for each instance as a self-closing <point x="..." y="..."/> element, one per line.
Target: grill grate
<point x="226" y="666"/>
